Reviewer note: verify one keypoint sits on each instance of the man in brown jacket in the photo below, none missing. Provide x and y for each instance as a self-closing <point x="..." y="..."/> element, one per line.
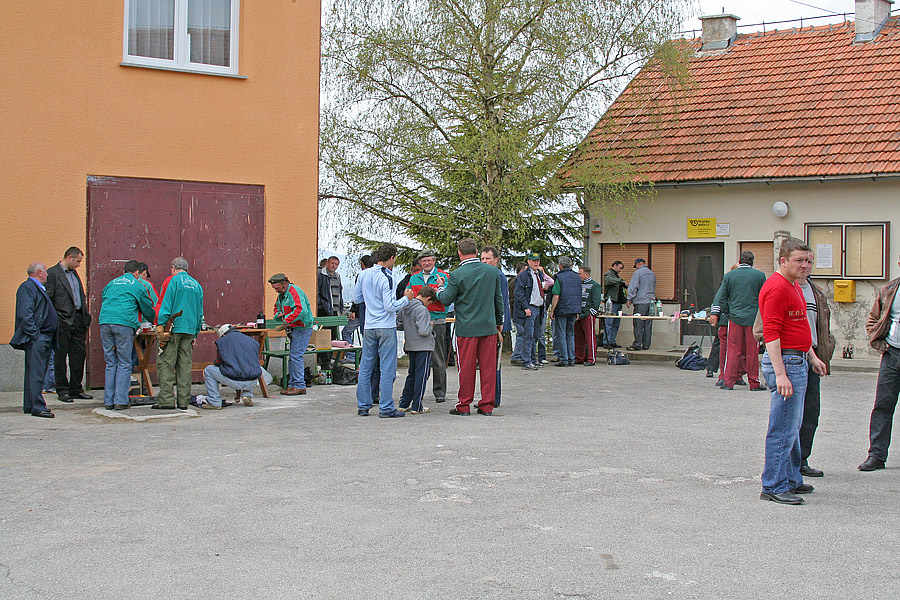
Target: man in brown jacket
<point x="883" y="327"/>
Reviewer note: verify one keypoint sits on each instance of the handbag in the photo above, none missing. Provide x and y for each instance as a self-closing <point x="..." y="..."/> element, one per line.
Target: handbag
<point x="617" y="357"/>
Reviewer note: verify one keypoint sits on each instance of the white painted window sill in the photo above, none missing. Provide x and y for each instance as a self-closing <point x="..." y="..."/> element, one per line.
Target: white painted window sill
<point x="182" y="70"/>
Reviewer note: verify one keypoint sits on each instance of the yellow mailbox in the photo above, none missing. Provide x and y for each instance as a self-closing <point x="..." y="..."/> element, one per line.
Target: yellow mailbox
<point x="844" y="290"/>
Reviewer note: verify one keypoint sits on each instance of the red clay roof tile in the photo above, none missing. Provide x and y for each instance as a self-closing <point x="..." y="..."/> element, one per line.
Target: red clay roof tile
<point x="806" y="103"/>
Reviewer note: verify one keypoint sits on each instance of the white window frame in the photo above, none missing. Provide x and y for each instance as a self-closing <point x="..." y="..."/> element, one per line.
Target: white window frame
<point x="182" y="46"/>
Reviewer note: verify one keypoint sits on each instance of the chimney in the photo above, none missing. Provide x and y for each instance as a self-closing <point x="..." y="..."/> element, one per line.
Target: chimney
<point x="719" y="31"/>
<point x="871" y="15"/>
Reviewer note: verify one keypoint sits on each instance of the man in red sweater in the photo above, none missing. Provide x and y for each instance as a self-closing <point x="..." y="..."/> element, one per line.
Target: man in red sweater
<point x="788" y="347"/>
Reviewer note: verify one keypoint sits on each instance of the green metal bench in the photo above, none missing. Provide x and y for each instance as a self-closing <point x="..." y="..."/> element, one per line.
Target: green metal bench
<point x="268" y="353"/>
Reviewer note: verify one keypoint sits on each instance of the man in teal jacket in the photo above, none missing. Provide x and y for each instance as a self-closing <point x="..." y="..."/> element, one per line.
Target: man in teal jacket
<point x="123" y="298"/>
<point x="174" y="364"/>
<point x="474" y="288"/>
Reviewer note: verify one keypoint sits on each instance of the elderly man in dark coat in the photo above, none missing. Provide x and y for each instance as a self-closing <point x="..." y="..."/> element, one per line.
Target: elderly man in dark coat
<point x="35" y="333"/>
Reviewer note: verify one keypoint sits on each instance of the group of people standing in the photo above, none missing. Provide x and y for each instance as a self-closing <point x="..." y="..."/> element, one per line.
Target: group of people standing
<point x="574" y="301"/>
<point x="51" y="313"/>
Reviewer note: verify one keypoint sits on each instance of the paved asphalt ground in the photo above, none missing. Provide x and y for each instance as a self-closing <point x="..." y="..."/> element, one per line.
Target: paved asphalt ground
<point x="638" y="481"/>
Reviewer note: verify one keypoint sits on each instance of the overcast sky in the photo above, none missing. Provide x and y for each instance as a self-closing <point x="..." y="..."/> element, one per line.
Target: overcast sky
<point x="757" y="11"/>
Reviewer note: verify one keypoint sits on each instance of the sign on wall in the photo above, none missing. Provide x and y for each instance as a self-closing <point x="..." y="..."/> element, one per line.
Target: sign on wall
<point x="701" y="228"/>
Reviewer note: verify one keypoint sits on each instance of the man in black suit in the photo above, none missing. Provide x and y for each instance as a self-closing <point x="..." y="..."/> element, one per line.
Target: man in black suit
<point x="35" y="333"/>
<point x="67" y="293"/>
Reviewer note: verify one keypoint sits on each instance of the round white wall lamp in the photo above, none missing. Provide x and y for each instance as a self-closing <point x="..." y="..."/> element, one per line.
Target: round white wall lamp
<point x="780" y="209"/>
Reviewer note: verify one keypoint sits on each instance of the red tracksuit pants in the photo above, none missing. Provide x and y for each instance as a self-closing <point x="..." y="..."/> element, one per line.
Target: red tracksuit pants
<point x="480" y="351"/>
<point x="585" y="339"/>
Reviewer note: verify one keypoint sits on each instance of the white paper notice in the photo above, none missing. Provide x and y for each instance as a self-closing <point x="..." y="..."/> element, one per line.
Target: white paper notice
<point x="824" y="259"/>
<point x="723" y="229"/>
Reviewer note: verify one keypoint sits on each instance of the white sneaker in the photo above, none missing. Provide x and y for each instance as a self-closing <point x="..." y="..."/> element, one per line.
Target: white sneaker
<point x="401" y="409"/>
<point x="424" y="410"/>
<point x="545" y="361"/>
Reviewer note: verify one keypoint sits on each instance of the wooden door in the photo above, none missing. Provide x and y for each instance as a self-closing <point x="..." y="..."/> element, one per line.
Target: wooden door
<point x="702" y="269"/>
<point x="218" y="228"/>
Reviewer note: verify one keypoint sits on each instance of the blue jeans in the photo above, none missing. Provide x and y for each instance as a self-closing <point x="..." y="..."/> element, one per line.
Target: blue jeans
<point x="118" y="343"/>
<point x="379" y="344"/>
<point x="781" y="472"/>
<point x="526" y="331"/>
<point x="517" y="346"/>
<point x="540" y="328"/>
<point x="299" y="343"/>
<point x="212" y="376"/>
<point x="565" y="329"/>
<point x="612" y="325"/>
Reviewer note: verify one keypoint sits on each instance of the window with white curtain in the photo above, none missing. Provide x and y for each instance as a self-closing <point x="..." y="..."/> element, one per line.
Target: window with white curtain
<point x="193" y="35"/>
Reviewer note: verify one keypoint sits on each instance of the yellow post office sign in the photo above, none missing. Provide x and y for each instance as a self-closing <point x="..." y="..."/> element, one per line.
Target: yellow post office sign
<point x="701" y="228"/>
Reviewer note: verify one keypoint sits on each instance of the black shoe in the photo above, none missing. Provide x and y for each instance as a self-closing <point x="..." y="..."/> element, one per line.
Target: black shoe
<point x="182" y="407"/>
<point x="82" y="396"/>
<point x="532" y="367"/>
<point x="740" y="382"/>
<point x="439" y="400"/>
<point x="66" y="398"/>
<point x="43" y="413"/>
<point x="634" y="348"/>
<point x="710" y="374"/>
<point x="808" y="471"/>
<point x="120" y="406"/>
<point x="518" y="363"/>
<point x="782" y="498"/>
<point x="758" y="388"/>
<point x="589" y="364"/>
<point x="616" y="346"/>
<point x="363" y="412"/>
<point x="803" y="488"/>
<point x="871" y="464"/>
<point x="481" y="412"/>
<point x="396" y="414"/>
<point x="561" y="364"/>
<point x="161" y="407"/>
<point x="726" y="387"/>
<point x="458" y="413"/>
<point x="720" y="383"/>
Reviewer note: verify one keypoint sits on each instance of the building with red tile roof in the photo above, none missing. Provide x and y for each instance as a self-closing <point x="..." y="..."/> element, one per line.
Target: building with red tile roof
<point x="790" y="131"/>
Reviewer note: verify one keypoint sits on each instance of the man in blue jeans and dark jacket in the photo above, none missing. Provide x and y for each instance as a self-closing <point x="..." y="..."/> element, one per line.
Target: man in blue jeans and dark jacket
<point x="237" y="366"/>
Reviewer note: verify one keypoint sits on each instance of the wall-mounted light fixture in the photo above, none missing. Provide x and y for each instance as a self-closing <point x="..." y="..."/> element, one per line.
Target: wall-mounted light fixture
<point x="780" y="209"/>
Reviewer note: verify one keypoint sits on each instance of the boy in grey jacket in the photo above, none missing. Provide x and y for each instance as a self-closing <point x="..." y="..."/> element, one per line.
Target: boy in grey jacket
<point x="415" y="322"/>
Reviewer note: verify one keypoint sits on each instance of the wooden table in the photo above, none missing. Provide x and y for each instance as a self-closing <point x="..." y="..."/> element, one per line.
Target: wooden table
<point x="145" y="351"/>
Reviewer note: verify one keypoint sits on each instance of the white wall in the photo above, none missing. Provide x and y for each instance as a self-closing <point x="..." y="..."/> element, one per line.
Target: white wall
<point x="747" y="208"/>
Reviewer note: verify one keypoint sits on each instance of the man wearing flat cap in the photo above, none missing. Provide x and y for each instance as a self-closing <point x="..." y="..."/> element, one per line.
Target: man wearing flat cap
<point x="294" y="315"/>
<point x="429" y="276"/>
<point x="641" y="293"/>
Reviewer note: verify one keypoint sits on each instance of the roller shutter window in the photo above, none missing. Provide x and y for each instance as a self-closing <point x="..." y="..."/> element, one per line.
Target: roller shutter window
<point x="662" y="263"/>
<point x="627" y="253"/>
<point x="764" y="256"/>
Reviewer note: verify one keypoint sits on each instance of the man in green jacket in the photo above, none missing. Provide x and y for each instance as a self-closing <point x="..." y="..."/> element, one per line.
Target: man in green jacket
<point x="585" y="338"/>
<point x="293" y="314"/>
<point x="614" y="288"/>
<point x="174" y="364"/>
<point x="123" y="298"/>
<point x="474" y="288"/>
<point x="739" y="292"/>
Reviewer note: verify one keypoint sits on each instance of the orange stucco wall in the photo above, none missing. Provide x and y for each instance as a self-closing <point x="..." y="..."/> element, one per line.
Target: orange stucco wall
<point x="70" y="110"/>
